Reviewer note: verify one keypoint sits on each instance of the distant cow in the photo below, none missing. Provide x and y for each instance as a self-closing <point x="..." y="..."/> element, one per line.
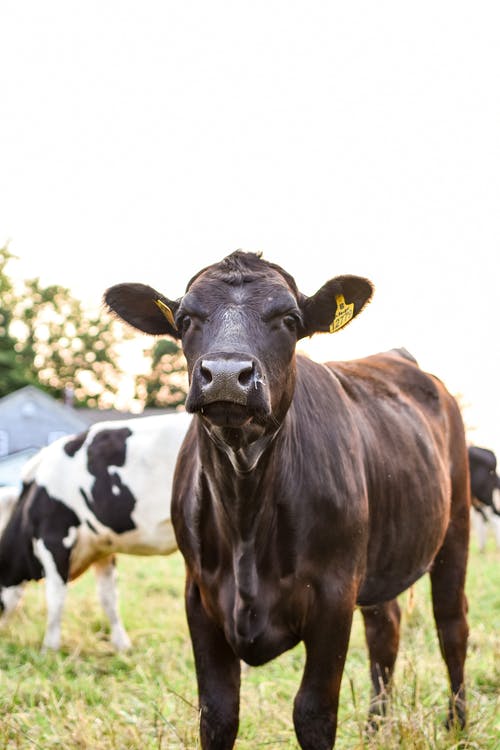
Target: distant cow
<point x="84" y="499"/>
<point x="303" y="489"/>
<point x="485" y="492"/>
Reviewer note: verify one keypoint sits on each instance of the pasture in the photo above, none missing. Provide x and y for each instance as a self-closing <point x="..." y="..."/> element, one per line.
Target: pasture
<point x="88" y="697"/>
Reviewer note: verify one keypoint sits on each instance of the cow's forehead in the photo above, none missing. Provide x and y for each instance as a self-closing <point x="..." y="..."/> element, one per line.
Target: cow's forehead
<point x="242" y="267"/>
<point x="217" y="285"/>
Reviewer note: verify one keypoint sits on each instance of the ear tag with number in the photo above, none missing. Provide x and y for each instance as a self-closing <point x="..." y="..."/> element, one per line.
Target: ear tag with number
<point x="343" y="313"/>
<point x="167" y="312"/>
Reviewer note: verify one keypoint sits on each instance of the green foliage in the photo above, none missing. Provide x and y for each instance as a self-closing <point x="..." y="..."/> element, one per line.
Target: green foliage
<point x="13" y="371"/>
<point x="167" y="384"/>
<point x="48" y="339"/>
<point x="66" y="346"/>
<point x="88" y="697"/>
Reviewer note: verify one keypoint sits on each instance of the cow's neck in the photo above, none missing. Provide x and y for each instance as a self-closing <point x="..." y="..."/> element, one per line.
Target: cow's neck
<point x="244" y="457"/>
<point x="238" y="475"/>
<point x="236" y="484"/>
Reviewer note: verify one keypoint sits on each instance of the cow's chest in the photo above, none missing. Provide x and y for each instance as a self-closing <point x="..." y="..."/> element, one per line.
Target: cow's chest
<point x="256" y="586"/>
<point x="258" y="551"/>
<point x="260" y="611"/>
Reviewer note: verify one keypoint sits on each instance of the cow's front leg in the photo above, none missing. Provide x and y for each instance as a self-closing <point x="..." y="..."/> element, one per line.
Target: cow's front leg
<point x="217" y="673"/>
<point x="316" y="704"/>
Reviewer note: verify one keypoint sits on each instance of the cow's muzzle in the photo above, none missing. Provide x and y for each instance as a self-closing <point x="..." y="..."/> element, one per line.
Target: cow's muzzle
<point x="230" y="382"/>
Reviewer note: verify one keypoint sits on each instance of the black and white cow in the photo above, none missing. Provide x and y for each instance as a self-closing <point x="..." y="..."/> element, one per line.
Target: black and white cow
<point x="485" y="493"/>
<point x="84" y="499"/>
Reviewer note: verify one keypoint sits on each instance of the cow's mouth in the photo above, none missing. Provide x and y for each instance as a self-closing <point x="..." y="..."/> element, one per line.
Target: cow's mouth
<point x="227" y="414"/>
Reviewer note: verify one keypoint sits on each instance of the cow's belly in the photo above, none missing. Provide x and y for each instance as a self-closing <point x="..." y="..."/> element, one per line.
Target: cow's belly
<point x="157" y="540"/>
<point x="90" y="546"/>
<point x="403" y="546"/>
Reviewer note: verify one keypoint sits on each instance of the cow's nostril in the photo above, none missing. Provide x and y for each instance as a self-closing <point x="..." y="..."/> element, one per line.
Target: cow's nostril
<point x="245" y="376"/>
<point x="205" y="373"/>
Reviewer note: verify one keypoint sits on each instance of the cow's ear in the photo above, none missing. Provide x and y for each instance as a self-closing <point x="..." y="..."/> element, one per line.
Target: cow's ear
<point x="143" y="308"/>
<point x="335" y="304"/>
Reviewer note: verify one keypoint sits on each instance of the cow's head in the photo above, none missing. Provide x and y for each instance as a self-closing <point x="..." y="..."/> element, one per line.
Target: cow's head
<point x="239" y="322"/>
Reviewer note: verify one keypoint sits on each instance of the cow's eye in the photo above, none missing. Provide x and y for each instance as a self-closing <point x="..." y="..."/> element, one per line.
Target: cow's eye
<point x="185" y="322"/>
<point x="290" y="321"/>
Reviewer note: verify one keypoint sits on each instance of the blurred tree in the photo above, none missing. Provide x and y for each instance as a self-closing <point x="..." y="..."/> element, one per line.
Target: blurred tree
<point x="13" y="371"/>
<point x="49" y="340"/>
<point x="167" y="383"/>
<point x="65" y="348"/>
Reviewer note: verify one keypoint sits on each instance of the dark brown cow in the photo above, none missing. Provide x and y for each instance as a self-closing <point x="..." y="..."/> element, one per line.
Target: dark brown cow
<point x="303" y="489"/>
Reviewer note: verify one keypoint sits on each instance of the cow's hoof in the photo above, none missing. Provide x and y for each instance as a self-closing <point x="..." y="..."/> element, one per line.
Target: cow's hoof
<point x="377" y="712"/>
<point x="457" y="717"/>
<point x="50" y="646"/>
<point x="121" y="642"/>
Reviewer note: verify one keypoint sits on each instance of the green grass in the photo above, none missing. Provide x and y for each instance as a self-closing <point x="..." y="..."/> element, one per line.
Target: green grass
<point x="86" y="696"/>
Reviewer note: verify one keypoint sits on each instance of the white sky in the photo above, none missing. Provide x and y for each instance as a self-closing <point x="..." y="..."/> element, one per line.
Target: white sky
<point x="140" y="141"/>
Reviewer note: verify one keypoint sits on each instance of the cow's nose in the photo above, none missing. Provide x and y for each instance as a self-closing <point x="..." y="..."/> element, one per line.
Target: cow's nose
<point x="226" y="379"/>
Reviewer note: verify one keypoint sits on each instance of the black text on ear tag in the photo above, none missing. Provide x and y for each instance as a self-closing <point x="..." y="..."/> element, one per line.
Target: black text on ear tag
<point x="343" y="313"/>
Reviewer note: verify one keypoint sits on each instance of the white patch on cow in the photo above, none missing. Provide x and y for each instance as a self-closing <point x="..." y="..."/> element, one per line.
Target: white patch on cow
<point x="70" y="539"/>
<point x="496" y="499"/>
<point x="11" y="596"/>
<point x="148" y="472"/>
<point x="8" y="499"/>
<point x="115" y="490"/>
<point x="55" y="594"/>
<point x="106" y="576"/>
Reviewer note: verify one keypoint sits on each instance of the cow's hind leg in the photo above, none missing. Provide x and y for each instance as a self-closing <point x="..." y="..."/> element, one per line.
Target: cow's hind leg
<point x="55" y="595"/>
<point x="106" y="577"/>
<point x="382" y="637"/>
<point x="450" y="613"/>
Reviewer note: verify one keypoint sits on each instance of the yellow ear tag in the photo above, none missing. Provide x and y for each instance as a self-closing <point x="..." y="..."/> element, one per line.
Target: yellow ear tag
<point x="167" y="312"/>
<point x="343" y="313"/>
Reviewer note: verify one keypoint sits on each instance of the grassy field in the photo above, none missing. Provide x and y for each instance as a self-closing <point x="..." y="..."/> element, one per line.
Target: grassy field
<point x="88" y="697"/>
